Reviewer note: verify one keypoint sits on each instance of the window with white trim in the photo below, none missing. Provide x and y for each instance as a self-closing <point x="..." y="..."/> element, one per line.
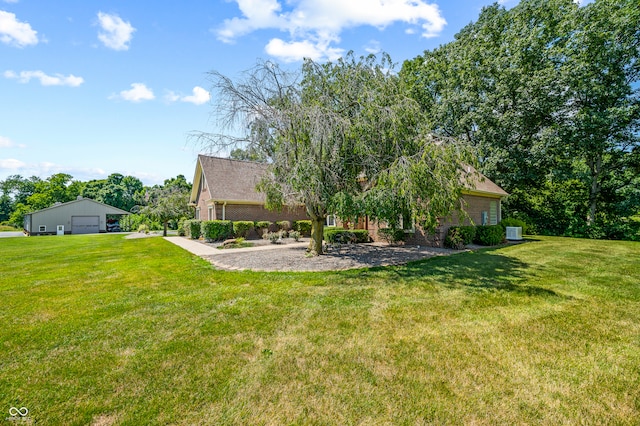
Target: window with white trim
<point x="210" y="213"/>
<point x="198" y="213"/>
<point x="42" y="228"/>
<point x="493" y="213"/>
<point x="331" y="220"/>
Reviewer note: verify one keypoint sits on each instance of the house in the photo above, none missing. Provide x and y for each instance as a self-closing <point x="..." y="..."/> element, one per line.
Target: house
<point x="481" y="200"/>
<point x="81" y="216"/>
<point x="225" y="189"/>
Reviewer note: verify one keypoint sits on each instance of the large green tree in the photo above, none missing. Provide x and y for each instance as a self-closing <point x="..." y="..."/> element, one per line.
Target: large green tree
<point x="545" y="91"/>
<point x="169" y="201"/>
<point x="339" y="136"/>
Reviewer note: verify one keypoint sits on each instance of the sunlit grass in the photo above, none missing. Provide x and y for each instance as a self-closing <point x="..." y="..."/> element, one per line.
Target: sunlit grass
<point x="114" y="331"/>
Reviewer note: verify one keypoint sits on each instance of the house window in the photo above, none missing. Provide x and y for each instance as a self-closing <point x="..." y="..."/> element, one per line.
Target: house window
<point x="42" y="228"/>
<point x="493" y="212"/>
<point x="485" y="218"/>
<point x="331" y="220"/>
<point x="198" y="213"/>
<point x="210" y="213"/>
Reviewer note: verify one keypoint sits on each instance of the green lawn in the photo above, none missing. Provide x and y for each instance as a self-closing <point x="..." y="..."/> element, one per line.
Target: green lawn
<point x="104" y="330"/>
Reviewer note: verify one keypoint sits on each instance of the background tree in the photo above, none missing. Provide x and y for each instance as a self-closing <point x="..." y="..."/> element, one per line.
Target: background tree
<point x="545" y="92"/>
<point x="168" y="202"/>
<point x="332" y="127"/>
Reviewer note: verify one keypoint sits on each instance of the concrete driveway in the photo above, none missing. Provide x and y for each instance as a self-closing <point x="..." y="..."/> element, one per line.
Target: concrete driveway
<point x="11" y="234"/>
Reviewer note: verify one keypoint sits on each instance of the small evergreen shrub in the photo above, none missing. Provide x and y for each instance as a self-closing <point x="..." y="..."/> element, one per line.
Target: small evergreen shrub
<point x="295" y="235"/>
<point x="273" y="237"/>
<point x="192" y="228"/>
<point x="261" y="226"/>
<point x="489" y="235"/>
<point x="143" y="228"/>
<point x="391" y="235"/>
<point x="284" y="225"/>
<point x="216" y="230"/>
<point x="241" y="228"/>
<point x="468" y="233"/>
<point x="454" y="238"/>
<point x="303" y="227"/>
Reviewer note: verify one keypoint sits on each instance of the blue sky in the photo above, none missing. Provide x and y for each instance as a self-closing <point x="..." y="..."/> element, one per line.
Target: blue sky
<point x="92" y="88"/>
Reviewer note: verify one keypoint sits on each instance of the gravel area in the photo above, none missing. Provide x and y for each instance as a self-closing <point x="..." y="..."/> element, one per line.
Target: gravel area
<point x="352" y="256"/>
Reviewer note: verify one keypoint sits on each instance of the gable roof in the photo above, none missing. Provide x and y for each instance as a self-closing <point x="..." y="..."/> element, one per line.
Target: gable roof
<point x="110" y="209"/>
<point x="483" y="185"/>
<point x="228" y="180"/>
<point x="235" y="180"/>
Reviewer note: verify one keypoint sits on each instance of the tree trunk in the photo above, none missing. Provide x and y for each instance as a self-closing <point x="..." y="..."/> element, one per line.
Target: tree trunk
<point x="594" y="191"/>
<point x="166" y="224"/>
<point x="317" y="235"/>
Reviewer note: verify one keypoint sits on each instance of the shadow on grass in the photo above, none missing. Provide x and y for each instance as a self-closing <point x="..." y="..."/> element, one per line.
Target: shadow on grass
<point x="482" y="270"/>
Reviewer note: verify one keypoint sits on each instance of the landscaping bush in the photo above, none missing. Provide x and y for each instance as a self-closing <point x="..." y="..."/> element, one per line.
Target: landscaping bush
<point x="467" y="233"/>
<point x="192" y="228"/>
<point x="273" y="237"/>
<point x="241" y="228"/>
<point x="284" y="225"/>
<point x="391" y="235"/>
<point x="489" y="235"/>
<point x="295" y="235"/>
<point x="181" y="230"/>
<point x="216" y="230"/>
<point x="454" y="238"/>
<point x="261" y="226"/>
<point x="346" y="236"/>
<point x="303" y="227"/>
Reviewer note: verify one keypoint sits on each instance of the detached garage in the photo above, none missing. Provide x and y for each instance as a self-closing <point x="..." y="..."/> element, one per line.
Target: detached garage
<point x="82" y="216"/>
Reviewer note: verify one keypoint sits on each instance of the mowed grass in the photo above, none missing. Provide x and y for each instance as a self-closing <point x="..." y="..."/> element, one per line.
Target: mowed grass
<point x="103" y="330"/>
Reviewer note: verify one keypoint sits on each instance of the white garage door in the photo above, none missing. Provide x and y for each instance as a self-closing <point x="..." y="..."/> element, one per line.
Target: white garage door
<point x="85" y="224"/>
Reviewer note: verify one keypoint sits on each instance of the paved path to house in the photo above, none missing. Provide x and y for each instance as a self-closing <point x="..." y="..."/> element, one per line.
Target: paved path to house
<point x="291" y="257"/>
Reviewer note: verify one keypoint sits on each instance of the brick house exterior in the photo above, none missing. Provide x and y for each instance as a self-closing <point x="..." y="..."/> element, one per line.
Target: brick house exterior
<point x="225" y="189"/>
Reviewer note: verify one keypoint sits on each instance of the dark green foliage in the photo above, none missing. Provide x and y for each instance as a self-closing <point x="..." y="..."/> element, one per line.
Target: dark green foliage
<point x="454" y="238"/>
<point x="489" y="235"/>
<point x="216" y="230"/>
<point x="192" y="228"/>
<point x="346" y="236"/>
<point x="466" y="233"/>
<point x="392" y="235"/>
<point x="242" y="228"/>
<point x="261" y="226"/>
<point x="303" y="227"/>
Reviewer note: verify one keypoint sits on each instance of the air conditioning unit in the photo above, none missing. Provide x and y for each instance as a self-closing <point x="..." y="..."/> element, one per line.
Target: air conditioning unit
<point x="514" y="233"/>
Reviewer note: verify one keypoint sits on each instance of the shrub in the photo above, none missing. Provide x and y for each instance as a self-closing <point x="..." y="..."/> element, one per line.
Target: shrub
<point x="216" y="230"/>
<point x="143" y="228"/>
<point x="261" y="226"/>
<point x="454" y="238"/>
<point x="346" y="236"/>
<point x="181" y="230"/>
<point x="284" y="225"/>
<point x="192" y="228"/>
<point x="303" y="227"/>
<point x="489" y="235"/>
<point x="295" y="235"/>
<point x="468" y="233"/>
<point x="273" y="237"/>
<point x="241" y="228"/>
<point x="392" y="235"/>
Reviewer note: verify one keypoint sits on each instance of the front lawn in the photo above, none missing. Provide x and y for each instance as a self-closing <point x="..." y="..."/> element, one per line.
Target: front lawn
<point x="106" y="330"/>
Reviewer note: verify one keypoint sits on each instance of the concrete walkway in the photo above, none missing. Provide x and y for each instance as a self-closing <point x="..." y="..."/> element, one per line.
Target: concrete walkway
<point x="200" y="249"/>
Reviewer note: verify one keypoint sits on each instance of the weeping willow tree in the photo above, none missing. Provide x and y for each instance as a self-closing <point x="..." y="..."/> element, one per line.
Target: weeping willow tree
<point x="340" y="138"/>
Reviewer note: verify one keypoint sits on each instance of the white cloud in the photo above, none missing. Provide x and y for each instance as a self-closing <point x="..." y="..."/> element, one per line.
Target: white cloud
<point x="16" y="33"/>
<point x="11" y="1"/>
<point x="139" y="92"/>
<point x="11" y="164"/>
<point x="200" y="96"/>
<point x="8" y="143"/>
<point x="314" y="24"/>
<point x="116" y="33"/>
<point x="46" y="80"/>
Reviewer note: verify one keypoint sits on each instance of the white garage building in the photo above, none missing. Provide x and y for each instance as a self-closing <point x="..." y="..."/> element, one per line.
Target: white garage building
<point x="81" y="216"/>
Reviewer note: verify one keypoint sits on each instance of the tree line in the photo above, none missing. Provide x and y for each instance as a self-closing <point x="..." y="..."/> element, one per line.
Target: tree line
<point x="547" y="93"/>
<point x="163" y="203"/>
